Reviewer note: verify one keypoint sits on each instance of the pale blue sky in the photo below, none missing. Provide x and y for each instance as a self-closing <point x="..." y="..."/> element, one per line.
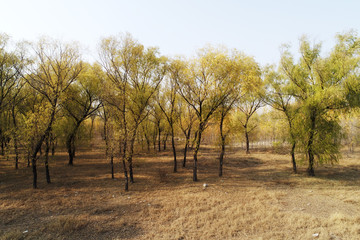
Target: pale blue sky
<point x="177" y="27"/>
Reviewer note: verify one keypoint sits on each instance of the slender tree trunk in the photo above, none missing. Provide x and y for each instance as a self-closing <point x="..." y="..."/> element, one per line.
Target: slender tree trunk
<point x="33" y="163"/>
<point x="130" y="156"/>
<point x="112" y="164"/>
<point x="247" y="141"/>
<point x="159" y="137"/>
<point x="125" y="139"/>
<point x="52" y="143"/>
<point x="310" y="169"/>
<point x="197" y="147"/>
<point x="38" y="146"/>
<point x="15" y="139"/>
<point x="173" y="148"/>
<point x="2" y="146"/>
<point x="293" y="157"/>
<point x="148" y="144"/>
<point x="125" y="175"/>
<point x="70" y="143"/>
<point x="221" y="158"/>
<point x="69" y="146"/>
<point x="187" y="141"/>
<point x="165" y="140"/>
<point x="47" y="149"/>
<point x="106" y="138"/>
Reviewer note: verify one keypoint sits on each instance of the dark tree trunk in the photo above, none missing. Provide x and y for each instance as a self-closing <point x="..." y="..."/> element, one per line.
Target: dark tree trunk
<point x="173" y="148"/>
<point x="187" y="141"/>
<point x="165" y="140"/>
<point x="70" y="143"/>
<point x="221" y="158"/>
<point x="293" y="157"/>
<point x="40" y="150"/>
<point x="47" y="149"/>
<point x="52" y="144"/>
<point x="125" y="175"/>
<point x="148" y="144"/>
<point x="112" y="165"/>
<point x="310" y="169"/>
<point x="247" y="141"/>
<point x="15" y="141"/>
<point x="131" y="173"/>
<point x="2" y="146"/>
<point x="130" y="156"/>
<point x="70" y="149"/>
<point x="16" y="154"/>
<point x="38" y="146"/>
<point x="197" y="147"/>
<point x="159" y="138"/>
<point x="33" y="163"/>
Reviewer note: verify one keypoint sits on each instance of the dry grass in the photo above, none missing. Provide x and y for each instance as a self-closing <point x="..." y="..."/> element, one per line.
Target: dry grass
<point x="258" y="198"/>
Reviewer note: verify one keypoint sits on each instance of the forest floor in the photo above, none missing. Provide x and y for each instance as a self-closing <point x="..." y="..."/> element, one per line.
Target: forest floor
<point x="257" y="198"/>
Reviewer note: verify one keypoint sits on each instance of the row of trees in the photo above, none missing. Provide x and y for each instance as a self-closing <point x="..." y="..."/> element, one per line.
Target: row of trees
<point x="48" y="91"/>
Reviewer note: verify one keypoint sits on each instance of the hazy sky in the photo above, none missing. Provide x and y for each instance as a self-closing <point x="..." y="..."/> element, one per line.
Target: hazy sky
<point x="256" y="27"/>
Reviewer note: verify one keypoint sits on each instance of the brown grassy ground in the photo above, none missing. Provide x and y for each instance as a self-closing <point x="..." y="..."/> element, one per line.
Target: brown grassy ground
<point x="258" y="198"/>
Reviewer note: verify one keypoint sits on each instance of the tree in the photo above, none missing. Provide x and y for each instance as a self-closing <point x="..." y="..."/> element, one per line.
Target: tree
<point x="186" y="121"/>
<point x="204" y="88"/>
<point x="280" y="96"/>
<point x="80" y="102"/>
<point x="318" y="85"/>
<point x="252" y="96"/>
<point x="243" y="79"/>
<point x="135" y="73"/>
<point x="168" y="105"/>
<point x="55" y="67"/>
<point x="11" y="66"/>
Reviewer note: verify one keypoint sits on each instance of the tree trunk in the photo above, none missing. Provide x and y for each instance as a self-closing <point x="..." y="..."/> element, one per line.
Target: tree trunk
<point x="52" y="143"/>
<point x="15" y="137"/>
<point x="70" y="143"/>
<point x="38" y="146"/>
<point x="247" y="141"/>
<point x="173" y="148"/>
<point x="15" y="140"/>
<point x="2" y="146"/>
<point x="69" y="146"/>
<point x="33" y="163"/>
<point x="125" y="175"/>
<point x="187" y="141"/>
<point x="165" y="140"/>
<point x="310" y="169"/>
<point x="147" y="139"/>
<point x="221" y="158"/>
<point x="148" y="144"/>
<point x="159" y="137"/>
<point x="130" y="156"/>
<point x="197" y="147"/>
<point x="112" y="164"/>
<point x="293" y="157"/>
<point x="47" y="149"/>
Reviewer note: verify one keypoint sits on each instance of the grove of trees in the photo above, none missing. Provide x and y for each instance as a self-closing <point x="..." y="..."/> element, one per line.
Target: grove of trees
<point x="308" y="102"/>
